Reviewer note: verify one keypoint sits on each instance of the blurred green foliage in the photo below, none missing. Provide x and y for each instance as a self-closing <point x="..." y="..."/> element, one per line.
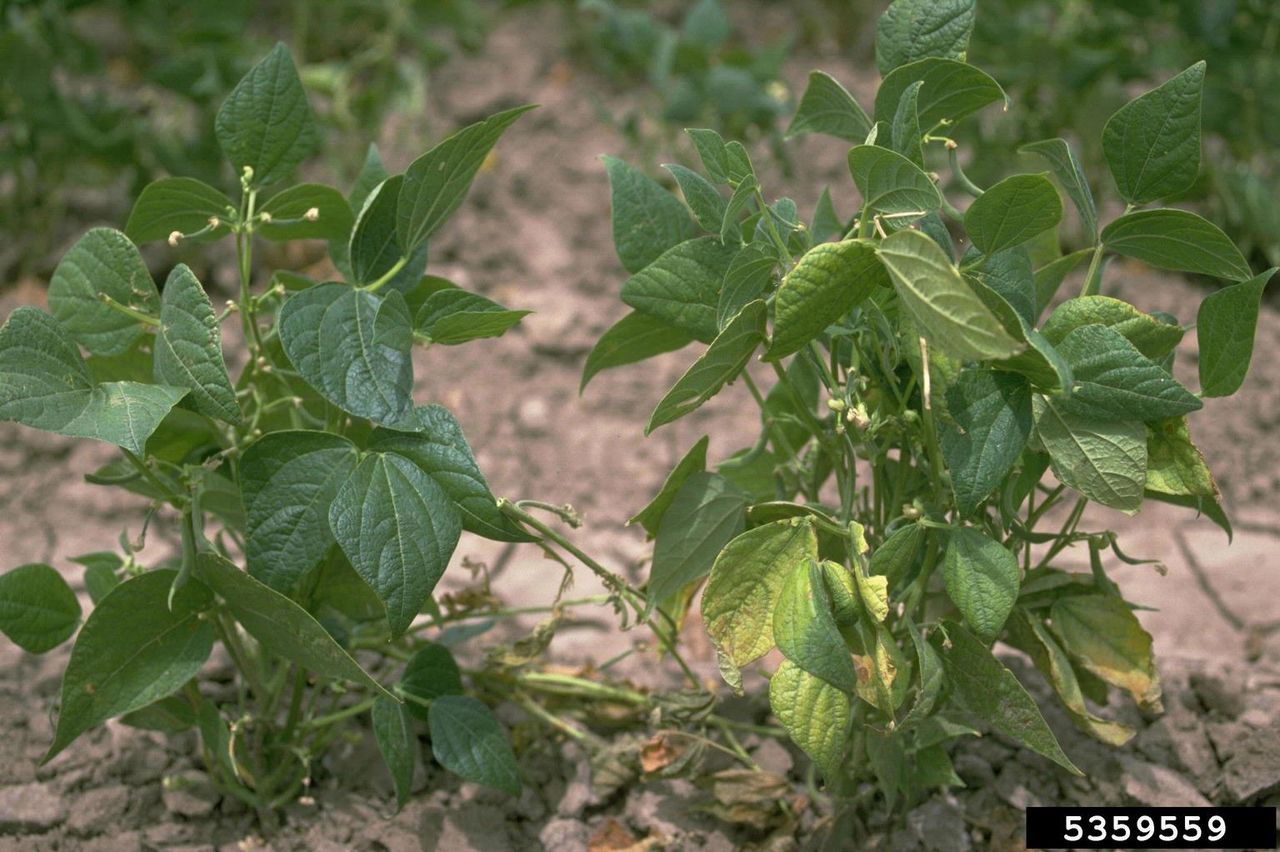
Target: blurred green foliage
<point x="110" y="94"/>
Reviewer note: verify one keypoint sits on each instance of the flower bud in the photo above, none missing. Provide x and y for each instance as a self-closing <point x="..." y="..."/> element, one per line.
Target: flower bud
<point x="312" y="214"/>
<point x="174" y="236"/>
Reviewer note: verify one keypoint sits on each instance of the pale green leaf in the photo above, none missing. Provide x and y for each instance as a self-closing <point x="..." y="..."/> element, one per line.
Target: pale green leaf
<point x="1174" y="464"/>
<point x="701" y="195"/>
<point x="814" y="713"/>
<point x="1150" y="336"/>
<point x="982" y="580"/>
<point x="1104" y="461"/>
<point x="748" y="277"/>
<point x="1102" y="632"/>
<point x="824" y="285"/>
<point x="890" y="183"/>
<point x="805" y="631"/>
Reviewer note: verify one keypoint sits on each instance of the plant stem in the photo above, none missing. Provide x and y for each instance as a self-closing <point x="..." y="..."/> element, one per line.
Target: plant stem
<point x="1092" y="280"/>
<point x="387" y="276"/>
<point x="338" y="715"/>
<point x="930" y="429"/>
<point x="132" y="313"/>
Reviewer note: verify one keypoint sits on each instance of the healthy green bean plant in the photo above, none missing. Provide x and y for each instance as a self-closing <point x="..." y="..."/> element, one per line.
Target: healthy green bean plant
<point x="314" y="469"/>
<point x="939" y="419"/>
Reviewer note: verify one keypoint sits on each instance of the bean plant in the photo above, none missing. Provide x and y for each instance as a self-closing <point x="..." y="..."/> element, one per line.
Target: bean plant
<point x="317" y="503"/>
<point x="939" y="417"/>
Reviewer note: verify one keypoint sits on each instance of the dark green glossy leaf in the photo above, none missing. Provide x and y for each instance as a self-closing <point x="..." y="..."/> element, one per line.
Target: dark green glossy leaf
<point x="452" y="316"/>
<point x="1152" y="143"/>
<point x="890" y="183"/>
<point x="171" y="715"/>
<point x="899" y="556"/>
<point x="951" y="90"/>
<point x="694" y="461"/>
<point x="633" y="338"/>
<point x="916" y="29"/>
<point x="180" y="204"/>
<point x="38" y="610"/>
<point x="99" y="573"/>
<point x="429" y="674"/>
<point x="393" y="730"/>
<point x="905" y="130"/>
<point x="266" y="122"/>
<point x="705" y="515"/>
<point x="988" y="427"/>
<point x="682" y="286"/>
<point x="1177" y="240"/>
<point x="827" y="107"/>
<point x="188" y="348"/>
<point x="1066" y="168"/>
<point x="374" y="249"/>
<point x="468" y="741"/>
<point x="1114" y="381"/>
<point x="289" y="211"/>
<point x="1225" y="328"/>
<point x="1012" y="212"/>
<point x="104" y="262"/>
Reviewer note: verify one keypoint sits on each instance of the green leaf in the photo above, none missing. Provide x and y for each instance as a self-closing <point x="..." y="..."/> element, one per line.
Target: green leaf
<point x="814" y="713"/>
<point x="1209" y="507"/>
<point x="180" y="204"/>
<point x="647" y="220"/>
<point x="890" y="183"/>
<point x="288" y="481"/>
<point x="393" y="730"/>
<point x="1152" y="143"/>
<point x="932" y="678"/>
<point x="982" y="580"/>
<point x="916" y="29"/>
<point x="104" y="262"/>
<point x="694" y="461"/>
<point x="826" y="221"/>
<point x="266" y="122"/>
<point x="905" y="133"/>
<point x="1152" y="337"/>
<point x="432" y="439"/>
<point x="1114" y="381"/>
<point x="1106" y="462"/>
<point x="746" y="583"/>
<point x="1007" y="273"/>
<point x="1174" y="464"/>
<point x="989" y="425"/>
<point x="633" y="338"/>
<point x="288" y="211"/>
<point x="45" y="384"/>
<point x="1104" y="635"/>
<point x="899" y="556"/>
<point x="724" y="163"/>
<point x="375" y="249"/>
<point x="353" y="348"/>
<point x="1225" y="328"/>
<point x="951" y="90"/>
<point x="38" y="610"/>
<point x="436" y="183"/>
<point x="398" y="528"/>
<point x="1178" y="240"/>
<point x="682" y="287"/>
<point x="951" y="315"/>
<point x="731" y="227"/>
<point x="171" y="715"/>
<point x="468" y="741"/>
<point x="706" y="25"/>
<point x="1050" y="276"/>
<point x="824" y="285"/>
<point x="992" y="693"/>
<point x="724" y="359"/>
<point x="280" y="625"/>
<point x="700" y="194"/>
<point x="1012" y="212"/>
<point x="429" y="674"/>
<point x="99" y="573"/>
<point x="748" y="277"/>
<point x="805" y="629"/>
<point x="1066" y="168"/>
<point x="827" y="107"/>
<point x="452" y="316"/>
<point x="122" y="662"/>
<point x="188" y="348"/>
<point x="707" y="512"/>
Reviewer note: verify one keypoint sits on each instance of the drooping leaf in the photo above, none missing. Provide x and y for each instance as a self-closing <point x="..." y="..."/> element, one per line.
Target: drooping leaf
<point x="467" y="740"/>
<point x="266" y="122"/>
<point x="180" y="204"/>
<point x="982" y="580"/>
<point x="45" y="384"/>
<point x="288" y="480"/>
<point x="824" y="285"/>
<point x="1066" y="168"/>
<point x="353" y="348"/>
<point x="992" y="693"/>
<point x="1149" y="335"/>
<point x="827" y="107"/>
<point x="917" y="29"/>
<point x="682" y="286"/>
<point x="647" y="220"/>
<point x="633" y="338"/>
<point x="436" y="183"/>
<point x="1152" y="143"/>
<point x="398" y="528"/>
<point x="990" y="422"/>
<point x="188" y="349"/>
<point x="1104" y="461"/>
<point x="429" y="674"/>
<point x="748" y="276"/>
<point x="289" y="210"/>
<point x="1174" y="464"/>
<point x="814" y="713"/>
<point x="1114" y="381"/>
<point x="723" y="361"/>
<point x="1225" y="327"/>
<point x="951" y="90"/>
<point x="1105" y="636"/>
<point x="932" y="678"/>
<point x="1178" y="240"/>
<point x="393" y="730"/>
<point x="745" y="585"/>
<point x="432" y="439"/>
<point x="805" y="631"/>
<point x="102" y="262"/>
<point x="890" y="183"/>
<point x="121" y="662"/>
<point x="1011" y="212"/>
<point x="946" y="308"/>
<point x="701" y="195"/>
<point x="707" y="512"/>
<point x="280" y="625"/>
<point x="452" y="316"/>
<point x="694" y="461"/>
<point x="38" y="610"/>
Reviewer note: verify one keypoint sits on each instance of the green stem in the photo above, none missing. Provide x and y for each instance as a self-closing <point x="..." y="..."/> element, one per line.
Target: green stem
<point x="338" y="715"/>
<point x="1092" y="280"/>
<point x="930" y="428"/>
<point x="132" y="313"/>
<point x="149" y="475"/>
<point x="387" y="276"/>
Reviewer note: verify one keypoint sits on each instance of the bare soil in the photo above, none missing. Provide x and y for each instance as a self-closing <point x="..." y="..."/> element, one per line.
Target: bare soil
<point x="535" y="234"/>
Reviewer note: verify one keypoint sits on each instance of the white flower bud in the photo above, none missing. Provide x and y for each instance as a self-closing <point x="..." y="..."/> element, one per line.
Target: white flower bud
<point x="264" y="216"/>
<point x="215" y="222"/>
<point x="174" y="236"/>
<point x="312" y="214"/>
